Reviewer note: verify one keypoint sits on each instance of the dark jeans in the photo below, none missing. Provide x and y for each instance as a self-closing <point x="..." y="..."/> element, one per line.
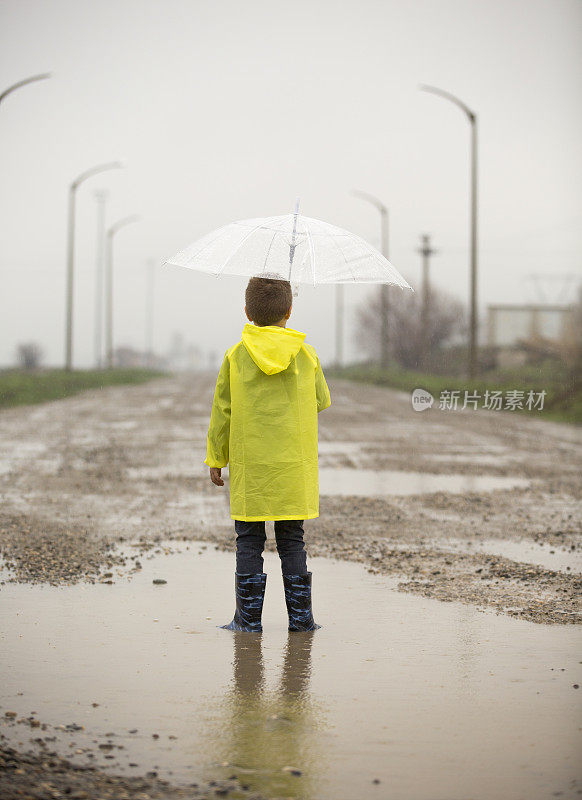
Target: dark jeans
<point x="250" y="542"/>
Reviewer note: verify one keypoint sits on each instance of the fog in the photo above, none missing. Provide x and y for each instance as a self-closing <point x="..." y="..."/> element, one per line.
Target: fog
<point x="229" y="110"/>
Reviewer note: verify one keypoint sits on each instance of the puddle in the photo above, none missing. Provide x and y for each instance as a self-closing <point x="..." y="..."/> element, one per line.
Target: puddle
<point x="369" y="482"/>
<point x="327" y="447"/>
<point x="431" y="699"/>
<point x="121" y="425"/>
<point x="499" y="457"/>
<point x="542" y="555"/>
<point x="169" y="470"/>
<point x="17" y="452"/>
<point x="21" y="449"/>
<point x="525" y="551"/>
<point x="490" y="459"/>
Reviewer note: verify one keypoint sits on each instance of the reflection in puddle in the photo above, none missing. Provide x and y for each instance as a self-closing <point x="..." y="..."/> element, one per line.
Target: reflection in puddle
<point x="269" y="734"/>
<point x="369" y="482"/>
<point x="422" y="696"/>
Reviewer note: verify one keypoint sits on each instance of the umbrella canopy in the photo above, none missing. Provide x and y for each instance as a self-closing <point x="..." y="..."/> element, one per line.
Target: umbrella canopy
<point x="299" y="249"/>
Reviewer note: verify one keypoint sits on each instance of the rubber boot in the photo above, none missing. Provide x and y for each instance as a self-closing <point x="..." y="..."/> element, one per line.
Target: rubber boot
<point x="249" y="591"/>
<point x="298" y="600"/>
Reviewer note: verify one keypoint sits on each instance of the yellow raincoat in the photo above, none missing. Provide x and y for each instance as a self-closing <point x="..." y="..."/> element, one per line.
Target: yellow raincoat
<point x="263" y="424"/>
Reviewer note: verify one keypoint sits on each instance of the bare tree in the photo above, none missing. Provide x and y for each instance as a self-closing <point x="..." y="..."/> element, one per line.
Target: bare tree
<point x="29" y="355"/>
<point x="446" y="320"/>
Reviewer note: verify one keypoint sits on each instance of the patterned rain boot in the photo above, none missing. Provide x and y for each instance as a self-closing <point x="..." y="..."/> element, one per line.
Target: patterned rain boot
<point x="298" y="600"/>
<point x="249" y="591"/>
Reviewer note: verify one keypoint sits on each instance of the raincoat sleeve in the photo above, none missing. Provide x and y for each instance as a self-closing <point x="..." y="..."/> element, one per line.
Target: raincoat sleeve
<point x="321" y="390"/>
<point x="217" y="441"/>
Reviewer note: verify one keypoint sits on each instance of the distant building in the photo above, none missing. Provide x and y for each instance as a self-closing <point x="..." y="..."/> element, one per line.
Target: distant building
<point x="519" y="333"/>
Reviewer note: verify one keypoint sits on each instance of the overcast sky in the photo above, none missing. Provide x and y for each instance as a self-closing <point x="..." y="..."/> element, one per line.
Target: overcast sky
<point x="225" y="110"/>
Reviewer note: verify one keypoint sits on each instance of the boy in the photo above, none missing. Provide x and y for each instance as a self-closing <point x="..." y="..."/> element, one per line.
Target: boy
<point x="269" y="391"/>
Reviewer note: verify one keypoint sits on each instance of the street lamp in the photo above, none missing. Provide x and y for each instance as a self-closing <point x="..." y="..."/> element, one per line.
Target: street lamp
<point x="24" y="82"/>
<point x="472" y="117"/>
<point x="101" y="199"/>
<point x="384" y="295"/>
<point x="71" y="252"/>
<point x="109" y="283"/>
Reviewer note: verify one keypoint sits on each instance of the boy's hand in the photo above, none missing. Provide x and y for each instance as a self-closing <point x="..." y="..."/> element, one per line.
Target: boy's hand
<point x="215" y="476"/>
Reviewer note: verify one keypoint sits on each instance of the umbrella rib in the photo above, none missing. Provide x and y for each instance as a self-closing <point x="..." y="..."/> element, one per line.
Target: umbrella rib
<point x="397" y="279"/>
<point x="345" y="259"/>
<point x="238" y="247"/>
<point x="206" y="246"/>
<point x="311" y="249"/>
<point x="211" y="242"/>
<point x="268" y="251"/>
<point x="398" y="283"/>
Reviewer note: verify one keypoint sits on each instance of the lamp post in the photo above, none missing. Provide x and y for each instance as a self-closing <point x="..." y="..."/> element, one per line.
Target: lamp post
<point x="24" y="82"/>
<point x="101" y="199"/>
<point x="109" y="283"/>
<point x="384" y="291"/>
<point x="472" y="117"/>
<point x="71" y="253"/>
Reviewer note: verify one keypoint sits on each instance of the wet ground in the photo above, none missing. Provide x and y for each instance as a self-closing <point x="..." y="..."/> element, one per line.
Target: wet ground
<point x="481" y="507"/>
<point x="396" y="696"/>
<point x="482" y="510"/>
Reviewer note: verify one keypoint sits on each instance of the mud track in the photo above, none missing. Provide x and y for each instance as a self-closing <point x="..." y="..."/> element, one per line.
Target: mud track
<point x="80" y="475"/>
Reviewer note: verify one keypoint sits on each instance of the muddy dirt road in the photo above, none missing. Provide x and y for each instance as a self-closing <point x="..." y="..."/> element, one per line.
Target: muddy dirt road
<point x="125" y="692"/>
<point x="480" y="507"/>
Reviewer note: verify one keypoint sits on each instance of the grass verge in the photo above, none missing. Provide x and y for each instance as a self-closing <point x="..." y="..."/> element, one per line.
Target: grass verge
<point x="18" y="387"/>
<point x="563" y="386"/>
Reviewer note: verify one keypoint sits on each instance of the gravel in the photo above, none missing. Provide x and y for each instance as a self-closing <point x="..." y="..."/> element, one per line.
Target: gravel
<point x="48" y="776"/>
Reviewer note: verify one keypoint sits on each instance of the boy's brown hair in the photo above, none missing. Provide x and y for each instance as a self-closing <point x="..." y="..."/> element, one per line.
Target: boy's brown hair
<point x="268" y="300"/>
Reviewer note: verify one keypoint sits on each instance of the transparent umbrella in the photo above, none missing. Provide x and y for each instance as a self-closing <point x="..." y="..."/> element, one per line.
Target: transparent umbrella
<point x="297" y="248"/>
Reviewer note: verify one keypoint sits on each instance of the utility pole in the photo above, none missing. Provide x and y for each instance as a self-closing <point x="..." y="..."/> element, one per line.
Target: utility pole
<point x="426" y="251"/>
<point x="101" y="198"/>
<point x="149" y="331"/>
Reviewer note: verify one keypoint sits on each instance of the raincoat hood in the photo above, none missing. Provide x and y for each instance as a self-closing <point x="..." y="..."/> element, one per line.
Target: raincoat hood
<point x="271" y="347"/>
